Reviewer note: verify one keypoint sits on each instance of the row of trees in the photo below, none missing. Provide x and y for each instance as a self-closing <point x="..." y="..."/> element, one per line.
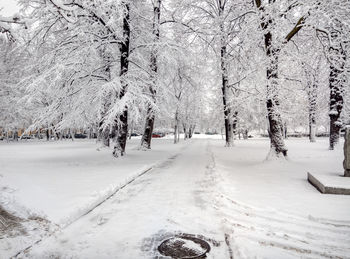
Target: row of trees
<point x="112" y="64"/>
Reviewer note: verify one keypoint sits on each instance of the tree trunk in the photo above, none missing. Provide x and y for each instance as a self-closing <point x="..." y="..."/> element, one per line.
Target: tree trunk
<point x="312" y="112"/>
<point x="185" y="131"/>
<point x="234" y="124"/>
<point x="285" y="132"/>
<point x="147" y="136"/>
<point x="103" y="134"/>
<point x="224" y="84"/>
<point x="227" y="110"/>
<point x="336" y="85"/>
<point x="47" y="134"/>
<point x="277" y="146"/>
<point x="175" y="133"/>
<point x="119" y="147"/>
<point x="346" y="162"/>
<point x="176" y="127"/>
<point x="120" y="144"/>
<point x="191" y="130"/>
<point x="311" y="89"/>
<point x="15" y="135"/>
<point x="245" y="134"/>
<point x="275" y="122"/>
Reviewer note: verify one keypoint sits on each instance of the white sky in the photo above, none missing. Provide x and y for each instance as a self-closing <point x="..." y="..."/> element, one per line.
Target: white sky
<point x="9" y="7"/>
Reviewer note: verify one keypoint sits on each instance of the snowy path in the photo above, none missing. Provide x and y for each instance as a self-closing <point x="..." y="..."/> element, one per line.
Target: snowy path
<point x="167" y="200"/>
<point x="187" y="194"/>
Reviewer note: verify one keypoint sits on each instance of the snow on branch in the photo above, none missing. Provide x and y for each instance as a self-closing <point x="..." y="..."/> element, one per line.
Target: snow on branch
<point x="65" y="7"/>
<point x="5" y="25"/>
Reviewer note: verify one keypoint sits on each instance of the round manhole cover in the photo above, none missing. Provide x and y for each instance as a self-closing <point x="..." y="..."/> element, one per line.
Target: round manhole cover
<point x="184" y="247"/>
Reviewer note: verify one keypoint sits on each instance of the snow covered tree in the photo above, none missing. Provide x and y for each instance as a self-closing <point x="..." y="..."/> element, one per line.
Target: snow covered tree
<point x="147" y="135"/>
<point x="119" y="148"/>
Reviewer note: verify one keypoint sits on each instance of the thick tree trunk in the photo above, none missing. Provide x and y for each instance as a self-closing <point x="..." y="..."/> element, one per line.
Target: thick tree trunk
<point x="274" y="118"/>
<point x="335" y="105"/>
<point x="119" y="147"/>
<point x="120" y="144"/>
<point x="275" y="122"/>
<point x="147" y="136"/>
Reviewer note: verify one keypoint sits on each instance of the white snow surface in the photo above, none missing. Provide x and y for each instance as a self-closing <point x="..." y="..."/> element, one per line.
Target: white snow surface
<point x="334" y="181"/>
<point x="243" y="205"/>
<point x="62" y="180"/>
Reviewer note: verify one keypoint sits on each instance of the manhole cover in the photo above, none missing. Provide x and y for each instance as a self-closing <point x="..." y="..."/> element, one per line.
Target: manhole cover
<point x="184" y="247"/>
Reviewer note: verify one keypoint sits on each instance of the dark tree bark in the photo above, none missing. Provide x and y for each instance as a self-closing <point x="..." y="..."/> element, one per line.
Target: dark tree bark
<point x="185" y="131"/>
<point x="234" y="123"/>
<point x="285" y="130"/>
<point x="147" y="136"/>
<point x="191" y="130"/>
<point x="336" y="85"/>
<point x="224" y="84"/>
<point x="245" y="134"/>
<point x="176" y="127"/>
<point x="120" y="144"/>
<point x="47" y="134"/>
<point x="272" y="103"/>
<point x="335" y="106"/>
<point x="15" y="135"/>
<point x="275" y="122"/>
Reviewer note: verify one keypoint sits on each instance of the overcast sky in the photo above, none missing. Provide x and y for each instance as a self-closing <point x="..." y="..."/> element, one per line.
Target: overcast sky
<point x="9" y="7"/>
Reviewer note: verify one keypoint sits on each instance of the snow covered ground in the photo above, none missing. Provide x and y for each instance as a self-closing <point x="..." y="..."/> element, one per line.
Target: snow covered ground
<point x="59" y="180"/>
<point x="244" y="206"/>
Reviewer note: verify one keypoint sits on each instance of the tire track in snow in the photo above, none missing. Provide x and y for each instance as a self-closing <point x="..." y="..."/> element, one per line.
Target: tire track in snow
<point x="294" y="235"/>
<point x="275" y="226"/>
<point x="157" y="165"/>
